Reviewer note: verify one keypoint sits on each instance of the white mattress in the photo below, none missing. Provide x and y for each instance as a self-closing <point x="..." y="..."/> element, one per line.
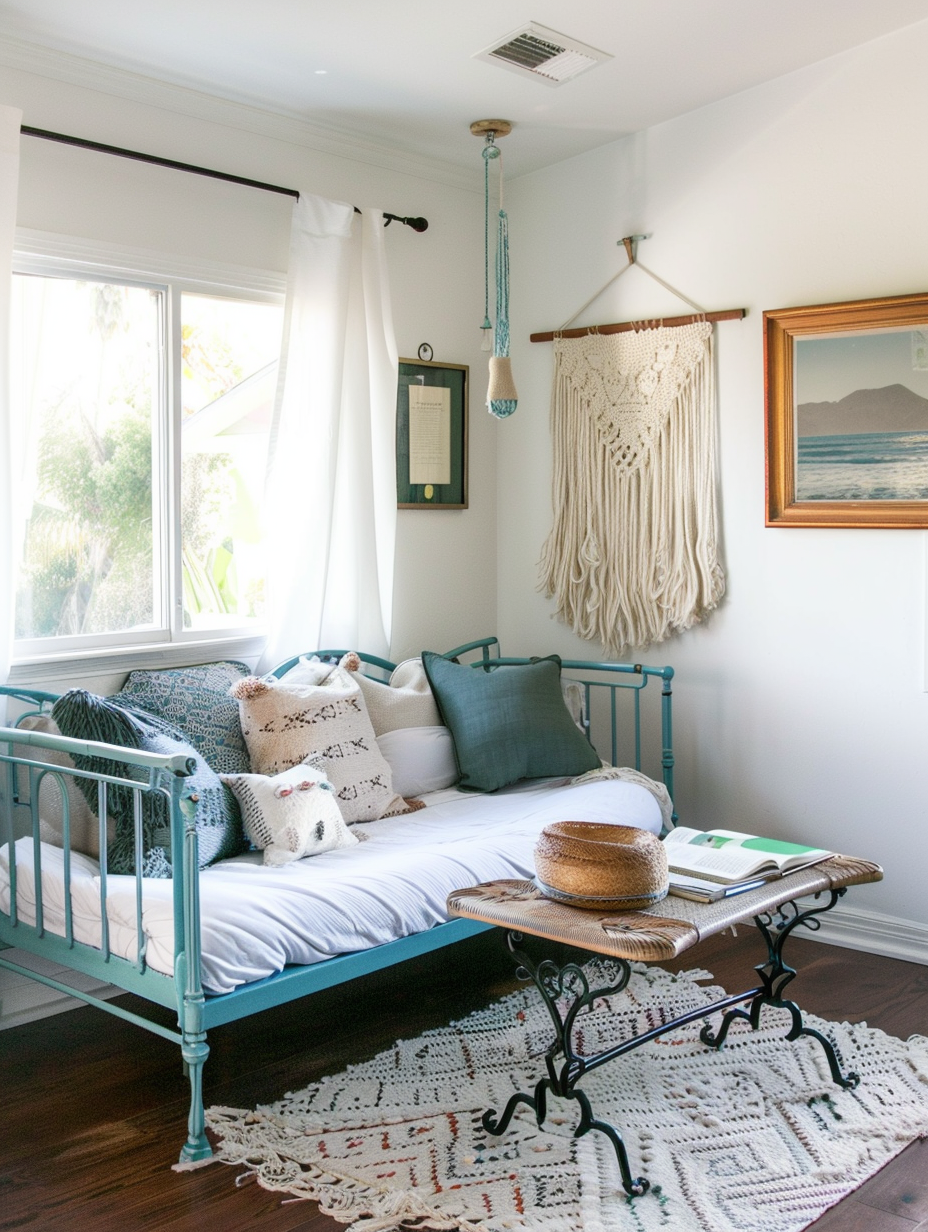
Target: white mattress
<point x="255" y="920"/>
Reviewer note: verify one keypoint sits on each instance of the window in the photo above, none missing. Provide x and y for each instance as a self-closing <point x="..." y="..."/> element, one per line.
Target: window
<point x="145" y="409"/>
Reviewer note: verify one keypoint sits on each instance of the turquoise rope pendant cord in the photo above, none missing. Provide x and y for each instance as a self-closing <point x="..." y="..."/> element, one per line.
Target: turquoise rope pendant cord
<point x="502" y="407"/>
<point x="488" y="153"/>
<point x="501" y="337"/>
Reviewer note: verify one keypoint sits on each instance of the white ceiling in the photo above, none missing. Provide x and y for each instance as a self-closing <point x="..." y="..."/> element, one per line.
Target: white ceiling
<point x="403" y="73"/>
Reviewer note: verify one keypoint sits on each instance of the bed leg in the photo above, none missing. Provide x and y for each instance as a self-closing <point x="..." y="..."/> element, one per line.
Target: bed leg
<point x="196" y="1149"/>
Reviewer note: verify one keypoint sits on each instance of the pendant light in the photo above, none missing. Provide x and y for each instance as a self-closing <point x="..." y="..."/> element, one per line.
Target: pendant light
<point x="502" y="397"/>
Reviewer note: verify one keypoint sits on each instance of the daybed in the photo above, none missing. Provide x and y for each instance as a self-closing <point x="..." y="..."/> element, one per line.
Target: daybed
<point x="222" y="942"/>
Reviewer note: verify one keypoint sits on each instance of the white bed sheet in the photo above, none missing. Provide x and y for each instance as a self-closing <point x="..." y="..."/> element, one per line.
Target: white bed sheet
<point x="255" y="919"/>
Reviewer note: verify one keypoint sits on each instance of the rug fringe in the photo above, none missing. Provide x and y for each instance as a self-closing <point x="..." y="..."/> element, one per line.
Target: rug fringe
<point x="342" y="1195"/>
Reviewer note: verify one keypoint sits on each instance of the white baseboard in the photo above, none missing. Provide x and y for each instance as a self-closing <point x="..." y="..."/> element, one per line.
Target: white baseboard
<point x="24" y="1000"/>
<point x="853" y="928"/>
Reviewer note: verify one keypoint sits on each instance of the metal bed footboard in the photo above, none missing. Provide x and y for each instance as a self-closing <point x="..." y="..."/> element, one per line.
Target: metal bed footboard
<point x="144" y="774"/>
<point x="605" y="685"/>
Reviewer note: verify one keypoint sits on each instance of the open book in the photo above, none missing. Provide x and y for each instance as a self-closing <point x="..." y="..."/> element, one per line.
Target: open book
<point x="727" y="856"/>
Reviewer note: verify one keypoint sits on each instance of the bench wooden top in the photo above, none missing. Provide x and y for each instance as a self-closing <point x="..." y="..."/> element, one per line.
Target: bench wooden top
<point x="655" y="933"/>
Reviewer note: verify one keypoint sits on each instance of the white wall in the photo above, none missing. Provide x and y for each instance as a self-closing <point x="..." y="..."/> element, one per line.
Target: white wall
<point x="445" y="578"/>
<point x="800" y="704"/>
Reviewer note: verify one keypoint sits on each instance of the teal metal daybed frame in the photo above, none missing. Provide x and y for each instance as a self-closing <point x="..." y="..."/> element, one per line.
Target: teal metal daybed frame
<point x="607" y="687"/>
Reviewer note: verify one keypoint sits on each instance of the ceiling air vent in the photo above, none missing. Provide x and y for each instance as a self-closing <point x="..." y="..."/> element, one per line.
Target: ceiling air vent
<point x="538" y="52"/>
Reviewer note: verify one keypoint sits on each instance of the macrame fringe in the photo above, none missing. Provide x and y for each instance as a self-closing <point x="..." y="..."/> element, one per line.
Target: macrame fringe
<point x="633" y="554"/>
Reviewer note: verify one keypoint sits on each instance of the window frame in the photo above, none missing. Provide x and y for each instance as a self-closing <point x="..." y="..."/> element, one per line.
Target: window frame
<point x="169" y="644"/>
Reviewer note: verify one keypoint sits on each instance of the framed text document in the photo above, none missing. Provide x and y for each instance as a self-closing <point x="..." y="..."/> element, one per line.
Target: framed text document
<point x="431" y="435"/>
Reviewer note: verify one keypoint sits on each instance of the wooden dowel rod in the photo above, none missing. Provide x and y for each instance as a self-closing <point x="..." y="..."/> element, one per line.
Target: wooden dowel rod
<point x="729" y="314"/>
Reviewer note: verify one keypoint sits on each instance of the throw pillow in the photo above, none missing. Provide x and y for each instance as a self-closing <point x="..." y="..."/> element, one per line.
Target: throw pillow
<point x="84" y="716"/>
<point x="290" y="815"/>
<point x="421" y="759"/>
<point x="196" y="701"/>
<point x="407" y="701"/>
<point x="284" y="722"/>
<point x="508" y="723"/>
<point x="309" y="669"/>
<point x="84" y="829"/>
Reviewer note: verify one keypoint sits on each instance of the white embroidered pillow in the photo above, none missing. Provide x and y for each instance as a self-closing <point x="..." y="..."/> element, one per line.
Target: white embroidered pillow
<point x="290" y="815"/>
<point x="285" y="723"/>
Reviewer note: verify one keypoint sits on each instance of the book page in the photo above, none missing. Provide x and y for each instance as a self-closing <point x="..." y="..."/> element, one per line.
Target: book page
<point x="719" y="864"/>
<point x="784" y="855"/>
<point x="429" y="434"/>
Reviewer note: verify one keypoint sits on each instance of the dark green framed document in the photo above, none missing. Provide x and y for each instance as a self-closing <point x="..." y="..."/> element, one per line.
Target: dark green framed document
<point x="431" y="435"/>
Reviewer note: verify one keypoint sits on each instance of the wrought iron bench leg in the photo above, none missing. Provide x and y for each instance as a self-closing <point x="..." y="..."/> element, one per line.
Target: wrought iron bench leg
<point x="775" y="975"/>
<point x="565" y="1068"/>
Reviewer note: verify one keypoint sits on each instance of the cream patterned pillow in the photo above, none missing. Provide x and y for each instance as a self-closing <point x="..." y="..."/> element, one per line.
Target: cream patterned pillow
<point x="285" y="722"/>
<point x="290" y="815"/>
<point x="407" y="701"/>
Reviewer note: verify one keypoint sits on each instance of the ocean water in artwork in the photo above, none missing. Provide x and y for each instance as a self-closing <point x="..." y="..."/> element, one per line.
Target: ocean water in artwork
<point x="863" y="466"/>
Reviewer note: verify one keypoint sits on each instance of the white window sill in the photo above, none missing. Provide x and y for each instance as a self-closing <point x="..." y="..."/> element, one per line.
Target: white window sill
<point x="80" y="665"/>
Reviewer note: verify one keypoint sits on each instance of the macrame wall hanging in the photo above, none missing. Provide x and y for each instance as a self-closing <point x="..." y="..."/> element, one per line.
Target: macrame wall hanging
<point x="502" y="397"/>
<point x="633" y="554"/>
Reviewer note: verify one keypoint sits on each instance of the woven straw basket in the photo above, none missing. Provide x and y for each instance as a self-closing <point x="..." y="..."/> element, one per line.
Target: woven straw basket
<point x="600" y="866"/>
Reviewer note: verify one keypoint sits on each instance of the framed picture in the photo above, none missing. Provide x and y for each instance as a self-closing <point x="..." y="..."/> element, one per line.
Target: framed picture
<point x="431" y="435"/>
<point x="847" y="414"/>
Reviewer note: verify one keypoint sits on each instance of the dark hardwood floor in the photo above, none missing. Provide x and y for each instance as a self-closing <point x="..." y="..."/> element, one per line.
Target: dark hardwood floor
<point x="93" y="1110"/>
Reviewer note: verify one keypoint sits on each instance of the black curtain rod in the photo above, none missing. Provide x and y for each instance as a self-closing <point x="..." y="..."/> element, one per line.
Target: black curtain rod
<point x="417" y="224"/>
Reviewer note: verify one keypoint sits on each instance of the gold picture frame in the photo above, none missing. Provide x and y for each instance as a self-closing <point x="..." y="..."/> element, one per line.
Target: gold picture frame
<point x="846" y="405"/>
<point x="431" y="439"/>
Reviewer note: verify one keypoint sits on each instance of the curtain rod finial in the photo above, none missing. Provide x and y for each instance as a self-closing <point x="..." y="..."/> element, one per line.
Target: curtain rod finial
<point x="415" y="224"/>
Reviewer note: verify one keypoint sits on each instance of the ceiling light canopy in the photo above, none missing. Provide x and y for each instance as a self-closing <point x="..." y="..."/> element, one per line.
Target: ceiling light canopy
<point x="535" y="51"/>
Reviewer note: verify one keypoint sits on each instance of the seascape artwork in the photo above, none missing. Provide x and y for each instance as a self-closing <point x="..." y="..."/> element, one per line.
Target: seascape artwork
<point x="861" y="407"/>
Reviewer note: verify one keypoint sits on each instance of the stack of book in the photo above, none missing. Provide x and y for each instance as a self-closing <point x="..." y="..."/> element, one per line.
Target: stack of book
<point x="708" y="865"/>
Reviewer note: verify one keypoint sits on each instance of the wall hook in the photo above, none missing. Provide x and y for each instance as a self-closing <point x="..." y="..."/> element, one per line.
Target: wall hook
<point x="630" y="241"/>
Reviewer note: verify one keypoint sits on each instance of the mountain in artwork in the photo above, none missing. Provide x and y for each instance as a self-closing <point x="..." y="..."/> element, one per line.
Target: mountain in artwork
<point x="895" y="408"/>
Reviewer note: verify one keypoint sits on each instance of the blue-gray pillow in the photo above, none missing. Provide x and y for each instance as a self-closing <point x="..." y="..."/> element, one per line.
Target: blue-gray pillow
<point x="84" y="716"/>
<point x="195" y="701"/>
<point x="508" y="723"/>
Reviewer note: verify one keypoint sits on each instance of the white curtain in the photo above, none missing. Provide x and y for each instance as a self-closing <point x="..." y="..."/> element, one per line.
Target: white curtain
<point x="331" y="507"/>
<point x="10" y="438"/>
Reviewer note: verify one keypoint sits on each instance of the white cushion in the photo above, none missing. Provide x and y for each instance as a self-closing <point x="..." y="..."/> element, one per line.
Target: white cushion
<point x="421" y="759"/>
<point x="290" y="815"/>
<point x="407" y="701"/>
<point x="285" y="722"/>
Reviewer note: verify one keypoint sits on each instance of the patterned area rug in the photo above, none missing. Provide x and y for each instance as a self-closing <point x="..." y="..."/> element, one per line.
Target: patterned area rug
<point x="755" y="1138"/>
